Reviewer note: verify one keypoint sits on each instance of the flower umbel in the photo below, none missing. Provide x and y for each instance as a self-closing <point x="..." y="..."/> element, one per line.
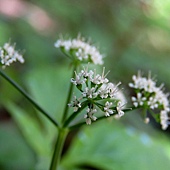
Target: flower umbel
<point x="149" y="96"/>
<point x="98" y="92"/>
<point x="8" y="55"/>
<point x="80" y="50"/>
<point x="90" y="115"/>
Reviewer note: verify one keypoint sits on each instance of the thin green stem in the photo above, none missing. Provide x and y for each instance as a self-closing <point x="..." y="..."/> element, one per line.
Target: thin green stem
<point x="74" y="114"/>
<point x="58" y="149"/>
<point x="77" y="125"/>
<point x="100" y="118"/>
<point x="155" y="116"/>
<point x="14" y="84"/>
<point x="69" y="95"/>
<point x="144" y="112"/>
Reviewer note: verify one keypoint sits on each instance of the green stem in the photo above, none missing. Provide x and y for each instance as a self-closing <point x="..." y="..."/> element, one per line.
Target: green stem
<point x="69" y="95"/>
<point x="58" y="148"/>
<point x="14" y="84"/>
<point x="144" y="113"/>
<point x="72" y="127"/>
<point x="74" y="114"/>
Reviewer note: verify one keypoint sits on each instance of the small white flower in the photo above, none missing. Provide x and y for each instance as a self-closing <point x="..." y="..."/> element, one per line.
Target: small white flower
<point x="78" y="80"/>
<point x="94" y="89"/>
<point x="107" y="109"/>
<point x="108" y="90"/>
<point x="8" y="55"/>
<point x="152" y="96"/>
<point x="139" y="100"/>
<point x="87" y="74"/>
<point x="75" y="103"/>
<point x="156" y="96"/>
<point x="140" y="82"/>
<point x="103" y="91"/>
<point x="103" y="79"/>
<point x="119" y="109"/>
<point x="153" y="102"/>
<point x="90" y="92"/>
<point x="113" y="89"/>
<point x="83" y="50"/>
<point x="90" y="116"/>
<point x="164" y="119"/>
<point x="88" y="120"/>
<point x="96" y="79"/>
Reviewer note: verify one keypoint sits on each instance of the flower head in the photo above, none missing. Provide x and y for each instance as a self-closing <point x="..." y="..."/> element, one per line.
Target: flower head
<point x="80" y="50"/>
<point x="75" y="103"/>
<point x="97" y="92"/>
<point x="8" y="55"/>
<point x="119" y="109"/>
<point x="107" y="108"/>
<point x="90" y="115"/>
<point x="149" y="96"/>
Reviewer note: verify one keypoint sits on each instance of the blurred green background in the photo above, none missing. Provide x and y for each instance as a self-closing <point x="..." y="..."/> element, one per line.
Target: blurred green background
<point x="133" y="35"/>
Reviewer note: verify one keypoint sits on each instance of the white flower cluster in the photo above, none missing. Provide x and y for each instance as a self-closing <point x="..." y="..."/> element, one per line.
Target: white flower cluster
<point x="99" y="92"/>
<point x="82" y="50"/>
<point x="150" y="96"/>
<point x="8" y="55"/>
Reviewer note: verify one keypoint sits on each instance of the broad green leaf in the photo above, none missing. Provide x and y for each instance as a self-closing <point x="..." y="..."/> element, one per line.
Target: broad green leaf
<point x="31" y="130"/>
<point x="110" y="146"/>
<point x="49" y="86"/>
<point x="14" y="151"/>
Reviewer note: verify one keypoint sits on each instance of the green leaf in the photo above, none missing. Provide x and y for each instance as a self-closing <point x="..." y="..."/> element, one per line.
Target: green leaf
<point x="110" y="146"/>
<point x="14" y="152"/>
<point x="49" y="86"/>
<point x="31" y="130"/>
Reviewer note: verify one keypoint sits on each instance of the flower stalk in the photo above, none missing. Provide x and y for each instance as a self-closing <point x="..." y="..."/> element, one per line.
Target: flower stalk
<point x="62" y="134"/>
<point x="69" y="95"/>
<point x="16" y="86"/>
<point x="74" y="114"/>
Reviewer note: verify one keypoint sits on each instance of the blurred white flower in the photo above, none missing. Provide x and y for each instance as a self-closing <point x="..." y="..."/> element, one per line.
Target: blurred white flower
<point x="75" y="103"/>
<point x="107" y="109"/>
<point x="90" y="116"/>
<point x="80" y="49"/>
<point x="164" y="119"/>
<point x="148" y="95"/>
<point x="8" y="55"/>
<point x="139" y="100"/>
<point x="119" y="109"/>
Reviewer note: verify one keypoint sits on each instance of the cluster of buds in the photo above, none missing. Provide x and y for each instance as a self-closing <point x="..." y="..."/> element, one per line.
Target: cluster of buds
<point x="149" y="96"/>
<point x="80" y="50"/>
<point x="99" y="93"/>
<point x="8" y="55"/>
